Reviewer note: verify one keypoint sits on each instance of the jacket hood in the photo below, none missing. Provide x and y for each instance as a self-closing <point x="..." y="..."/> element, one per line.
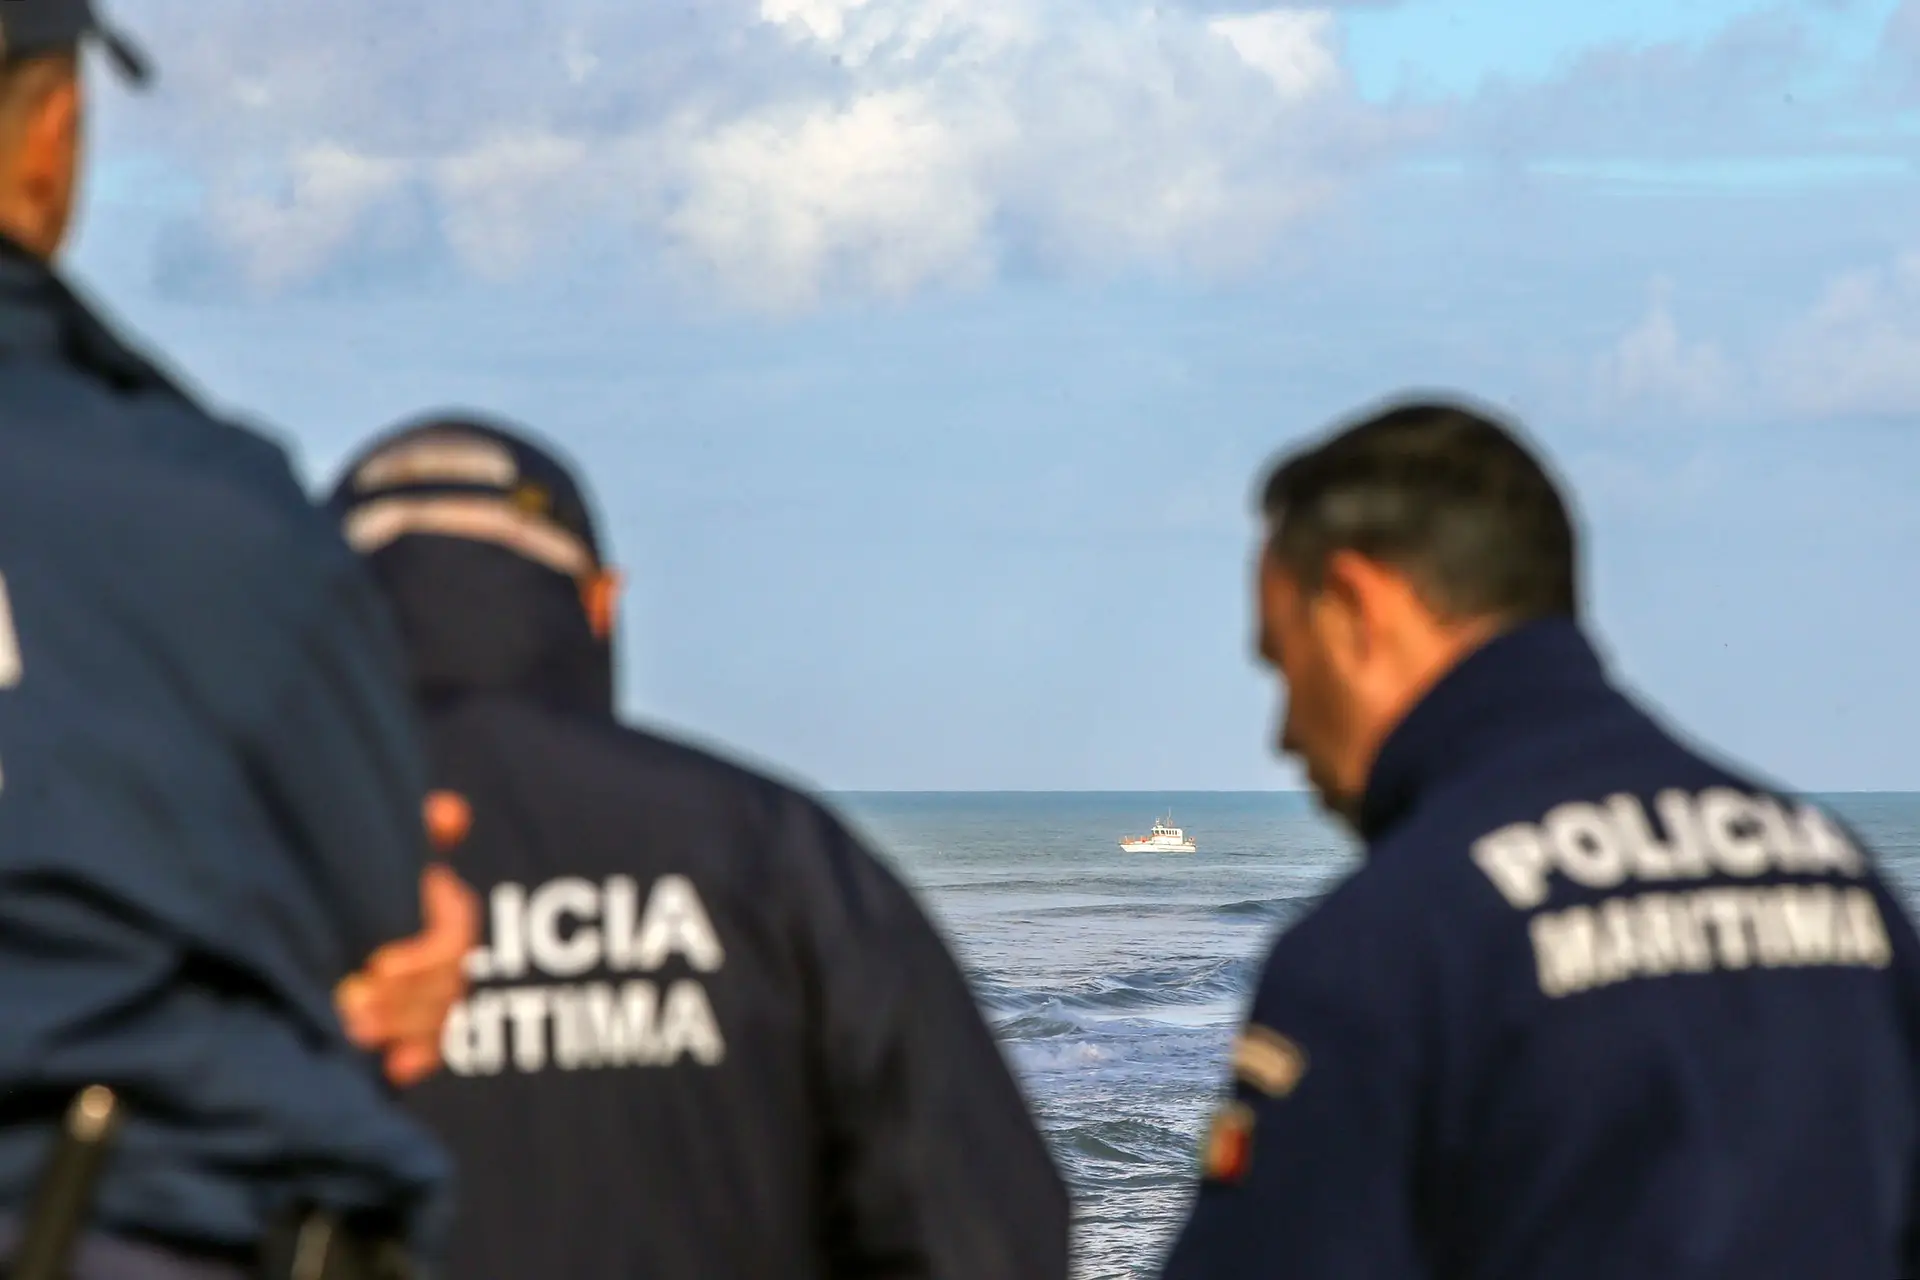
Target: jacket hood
<point x="476" y="618"/>
<point x="480" y="535"/>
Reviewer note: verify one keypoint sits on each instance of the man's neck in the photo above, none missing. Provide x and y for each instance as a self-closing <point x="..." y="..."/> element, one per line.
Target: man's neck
<point x="15" y="247"/>
<point x="1447" y="646"/>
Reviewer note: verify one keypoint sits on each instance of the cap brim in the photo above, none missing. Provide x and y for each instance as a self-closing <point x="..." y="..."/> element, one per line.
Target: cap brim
<point x="127" y="56"/>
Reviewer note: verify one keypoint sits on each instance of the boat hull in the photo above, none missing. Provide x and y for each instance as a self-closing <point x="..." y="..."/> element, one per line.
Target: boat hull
<point x="1148" y="846"/>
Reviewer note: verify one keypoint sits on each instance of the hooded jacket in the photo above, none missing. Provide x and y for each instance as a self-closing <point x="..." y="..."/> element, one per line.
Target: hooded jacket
<point x="711" y="1037"/>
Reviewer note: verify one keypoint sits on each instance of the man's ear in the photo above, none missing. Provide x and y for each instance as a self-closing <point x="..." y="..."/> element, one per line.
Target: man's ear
<point x="1343" y="607"/>
<point x="46" y="145"/>
<point x="1385" y="603"/>
<point x="600" y="595"/>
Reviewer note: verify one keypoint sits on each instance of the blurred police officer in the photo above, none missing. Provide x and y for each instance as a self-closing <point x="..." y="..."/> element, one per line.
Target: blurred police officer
<point x="210" y="787"/>
<point x="1596" y="1005"/>
<point x="710" y="1036"/>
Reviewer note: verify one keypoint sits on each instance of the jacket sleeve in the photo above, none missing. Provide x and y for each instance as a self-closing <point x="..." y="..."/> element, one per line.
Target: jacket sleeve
<point x="935" y="1166"/>
<point x="1308" y="1164"/>
<point x="339" y="759"/>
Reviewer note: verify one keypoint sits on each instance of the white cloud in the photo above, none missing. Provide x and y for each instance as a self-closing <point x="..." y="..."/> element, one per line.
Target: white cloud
<point x="1652" y="367"/>
<point x="289" y="234"/>
<point x="880" y="193"/>
<point x="784" y="150"/>
<point x="495" y="194"/>
<point x="1291" y="47"/>
<point x="1857" y="352"/>
<point x="1852" y="353"/>
<point x="869" y="33"/>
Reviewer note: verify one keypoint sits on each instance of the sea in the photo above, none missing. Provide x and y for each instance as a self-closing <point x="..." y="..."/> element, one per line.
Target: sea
<point x="1115" y="981"/>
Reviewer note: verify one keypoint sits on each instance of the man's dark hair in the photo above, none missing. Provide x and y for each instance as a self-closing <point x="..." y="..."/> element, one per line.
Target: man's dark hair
<point x="1446" y="494"/>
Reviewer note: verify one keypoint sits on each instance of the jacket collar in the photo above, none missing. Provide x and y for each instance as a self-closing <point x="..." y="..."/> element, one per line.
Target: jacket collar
<point x="43" y="318"/>
<point x="1520" y="680"/>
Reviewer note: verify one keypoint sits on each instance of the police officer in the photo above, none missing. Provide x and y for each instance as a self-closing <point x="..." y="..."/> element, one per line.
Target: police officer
<point x="710" y="1036"/>
<point x="1596" y="1005"/>
<point x="210" y="787"/>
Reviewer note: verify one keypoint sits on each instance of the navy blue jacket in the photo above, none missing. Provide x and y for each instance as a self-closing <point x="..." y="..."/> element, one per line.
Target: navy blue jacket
<point x="711" y="1037"/>
<point x="1593" y="1007"/>
<point x="210" y="792"/>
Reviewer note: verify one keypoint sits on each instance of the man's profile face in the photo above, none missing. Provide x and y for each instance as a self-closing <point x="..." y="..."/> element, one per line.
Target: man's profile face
<point x="1316" y="726"/>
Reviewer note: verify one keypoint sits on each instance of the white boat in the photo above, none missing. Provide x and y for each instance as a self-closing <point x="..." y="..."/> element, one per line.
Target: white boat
<point x="1165" y="838"/>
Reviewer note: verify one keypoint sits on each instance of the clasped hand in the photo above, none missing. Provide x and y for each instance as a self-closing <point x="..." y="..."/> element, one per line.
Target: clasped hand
<point x="397" y="1004"/>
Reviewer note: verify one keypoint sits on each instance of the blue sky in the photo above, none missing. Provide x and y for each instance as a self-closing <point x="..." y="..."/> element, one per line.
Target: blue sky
<point x="925" y="353"/>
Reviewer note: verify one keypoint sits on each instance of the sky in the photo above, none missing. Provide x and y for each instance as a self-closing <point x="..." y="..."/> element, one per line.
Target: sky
<point x="925" y="354"/>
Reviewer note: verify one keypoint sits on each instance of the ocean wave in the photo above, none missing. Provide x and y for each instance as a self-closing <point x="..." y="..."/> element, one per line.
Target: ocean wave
<point x="1125" y="1141"/>
<point x="1131" y="910"/>
<point x="1285" y="908"/>
<point x="1262" y="910"/>
<point x="997" y="885"/>
<point x="1037" y="1026"/>
<point x="1063" y="1057"/>
<point x="1203" y="983"/>
<point x="1029" y="1012"/>
<point x="997" y="995"/>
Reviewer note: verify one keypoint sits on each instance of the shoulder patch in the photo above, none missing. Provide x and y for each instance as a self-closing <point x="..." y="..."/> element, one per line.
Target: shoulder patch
<point x="1269" y="1061"/>
<point x="1227" y="1153"/>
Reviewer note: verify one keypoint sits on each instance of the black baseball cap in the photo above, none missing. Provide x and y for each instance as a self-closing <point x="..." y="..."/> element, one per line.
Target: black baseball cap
<point x="461" y="476"/>
<point x="29" y="27"/>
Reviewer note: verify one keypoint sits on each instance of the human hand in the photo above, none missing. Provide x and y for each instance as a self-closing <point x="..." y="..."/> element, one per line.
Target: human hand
<point x="398" y="1002"/>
